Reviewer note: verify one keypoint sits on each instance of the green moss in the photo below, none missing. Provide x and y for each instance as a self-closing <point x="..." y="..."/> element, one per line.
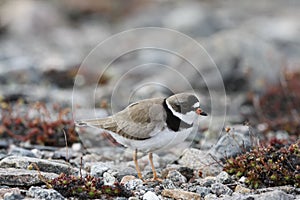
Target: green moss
<point x="268" y="166"/>
<point x="86" y="188"/>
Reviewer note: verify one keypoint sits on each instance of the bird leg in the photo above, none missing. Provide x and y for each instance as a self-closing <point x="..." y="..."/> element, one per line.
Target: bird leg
<point x="137" y="165"/>
<point x="155" y="178"/>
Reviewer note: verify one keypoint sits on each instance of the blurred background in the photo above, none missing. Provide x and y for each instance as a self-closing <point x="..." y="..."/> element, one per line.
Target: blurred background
<point x="256" y="47"/>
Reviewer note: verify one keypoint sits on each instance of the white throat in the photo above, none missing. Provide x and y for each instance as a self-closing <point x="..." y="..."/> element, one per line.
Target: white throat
<point x="188" y="117"/>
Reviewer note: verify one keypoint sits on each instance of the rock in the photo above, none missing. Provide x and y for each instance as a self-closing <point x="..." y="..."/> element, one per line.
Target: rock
<point x="220" y="189"/>
<point x="76" y="147"/>
<point x="203" y="191"/>
<point x="198" y="159"/>
<point x="274" y="195"/>
<point x="242" y="179"/>
<point x="133" y="184"/>
<point x="22" y="162"/>
<point x="22" y="177"/>
<point x="17" y="151"/>
<point x="168" y="184"/>
<point x="242" y="190"/>
<point x="13" y="196"/>
<point x="125" y="179"/>
<point x="108" y="179"/>
<point x="133" y="198"/>
<point x="98" y="169"/>
<point x="232" y="143"/>
<point x="207" y="181"/>
<point x="223" y="177"/>
<point x="150" y="196"/>
<point x="211" y="197"/>
<point x="187" y="172"/>
<point x="4" y="191"/>
<point x="44" y="194"/>
<point x="176" y="177"/>
<point x="180" y="194"/>
<point x="125" y="171"/>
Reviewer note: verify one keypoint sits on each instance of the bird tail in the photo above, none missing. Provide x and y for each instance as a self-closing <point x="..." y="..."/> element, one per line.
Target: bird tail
<point x="98" y="123"/>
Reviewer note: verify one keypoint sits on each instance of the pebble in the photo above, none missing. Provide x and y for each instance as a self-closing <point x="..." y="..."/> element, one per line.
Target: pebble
<point x="176" y="177"/>
<point x="150" y="196"/>
<point x="10" y="191"/>
<point x="207" y="181"/>
<point x="274" y="195"/>
<point x="242" y="190"/>
<point x="44" y="194"/>
<point x="233" y="143"/>
<point x="108" y="179"/>
<point x="13" y="196"/>
<point x="168" y="184"/>
<point x="125" y="179"/>
<point x="198" y="159"/>
<point x="133" y="184"/>
<point x="223" y="177"/>
<point x="242" y="179"/>
<point x="76" y="147"/>
<point x="220" y="189"/>
<point x="18" y="151"/>
<point x="203" y="191"/>
<point x="210" y="197"/>
<point x="98" y="169"/>
<point x="125" y="171"/>
<point x="22" y="162"/>
<point x="180" y="194"/>
<point x="22" y="177"/>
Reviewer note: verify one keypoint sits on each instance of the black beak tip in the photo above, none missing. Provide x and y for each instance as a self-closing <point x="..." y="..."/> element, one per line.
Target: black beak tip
<point x="203" y="113"/>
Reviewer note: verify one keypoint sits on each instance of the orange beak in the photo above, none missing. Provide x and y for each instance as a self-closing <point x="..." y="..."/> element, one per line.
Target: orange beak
<point x="200" y="112"/>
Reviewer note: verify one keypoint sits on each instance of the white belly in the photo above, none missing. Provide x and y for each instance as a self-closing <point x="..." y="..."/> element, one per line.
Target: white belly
<point x="162" y="140"/>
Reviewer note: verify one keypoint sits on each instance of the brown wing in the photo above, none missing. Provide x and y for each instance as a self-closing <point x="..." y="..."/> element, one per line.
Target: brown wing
<point x="138" y="121"/>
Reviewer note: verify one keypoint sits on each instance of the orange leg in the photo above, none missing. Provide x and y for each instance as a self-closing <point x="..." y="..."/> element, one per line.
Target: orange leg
<point x="155" y="178"/>
<point x="137" y="165"/>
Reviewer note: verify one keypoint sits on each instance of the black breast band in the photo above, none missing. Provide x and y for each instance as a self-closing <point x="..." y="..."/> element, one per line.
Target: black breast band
<point x="173" y="122"/>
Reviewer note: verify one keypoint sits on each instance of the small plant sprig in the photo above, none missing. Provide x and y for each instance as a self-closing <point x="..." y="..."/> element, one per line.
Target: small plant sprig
<point x="267" y="166"/>
<point x="87" y="188"/>
<point x="34" y="123"/>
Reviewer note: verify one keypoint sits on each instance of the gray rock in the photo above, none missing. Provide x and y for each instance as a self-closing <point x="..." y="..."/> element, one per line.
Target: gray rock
<point x="44" y="194"/>
<point x="99" y="168"/>
<point x="168" y="184"/>
<point x="223" y="177"/>
<point x="220" y="189"/>
<point x="176" y="177"/>
<point x="232" y="143"/>
<point x="207" y="181"/>
<point x="108" y="179"/>
<point x="21" y="162"/>
<point x="211" y="197"/>
<point x="198" y="159"/>
<point x="125" y="171"/>
<point x="150" y="196"/>
<point x="180" y="194"/>
<point x="6" y="190"/>
<point x="10" y="194"/>
<point x="22" y="177"/>
<point x="18" y="151"/>
<point x="274" y="195"/>
<point x="241" y="189"/>
<point x="133" y="184"/>
<point x="203" y="191"/>
<point x="13" y="196"/>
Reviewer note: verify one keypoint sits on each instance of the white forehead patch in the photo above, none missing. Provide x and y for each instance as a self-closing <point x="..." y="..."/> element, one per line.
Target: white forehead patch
<point x="196" y="105"/>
